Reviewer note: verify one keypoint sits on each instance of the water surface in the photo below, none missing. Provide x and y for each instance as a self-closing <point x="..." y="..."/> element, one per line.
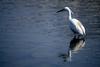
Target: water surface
<point x="32" y="34"/>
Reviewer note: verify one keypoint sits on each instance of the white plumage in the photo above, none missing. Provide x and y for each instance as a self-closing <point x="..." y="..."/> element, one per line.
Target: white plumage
<point x="75" y="25"/>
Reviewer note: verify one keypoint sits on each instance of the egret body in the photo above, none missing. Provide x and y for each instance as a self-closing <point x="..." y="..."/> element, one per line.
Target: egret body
<point x="75" y="25"/>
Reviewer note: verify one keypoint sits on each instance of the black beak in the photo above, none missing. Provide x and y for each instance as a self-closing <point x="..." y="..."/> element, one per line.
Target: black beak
<point x="61" y="10"/>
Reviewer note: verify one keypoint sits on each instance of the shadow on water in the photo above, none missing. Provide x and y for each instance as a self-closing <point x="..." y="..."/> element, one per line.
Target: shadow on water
<point x="75" y="45"/>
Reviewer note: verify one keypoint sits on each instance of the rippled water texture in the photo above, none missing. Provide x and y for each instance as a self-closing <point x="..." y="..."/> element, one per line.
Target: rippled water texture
<point x="32" y="34"/>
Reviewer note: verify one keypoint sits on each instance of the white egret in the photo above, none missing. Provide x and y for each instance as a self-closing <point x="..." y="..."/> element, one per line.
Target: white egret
<point x="75" y="25"/>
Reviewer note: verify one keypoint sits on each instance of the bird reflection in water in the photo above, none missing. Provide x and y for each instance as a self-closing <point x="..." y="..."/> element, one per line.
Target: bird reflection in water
<point x="75" y="45"/>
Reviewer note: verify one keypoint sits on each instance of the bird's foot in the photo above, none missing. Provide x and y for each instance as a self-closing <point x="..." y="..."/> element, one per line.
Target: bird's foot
<point x="78" y="37"/>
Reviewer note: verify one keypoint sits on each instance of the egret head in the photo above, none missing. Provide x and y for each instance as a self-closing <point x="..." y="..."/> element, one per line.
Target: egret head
<point x="65" y="9"/>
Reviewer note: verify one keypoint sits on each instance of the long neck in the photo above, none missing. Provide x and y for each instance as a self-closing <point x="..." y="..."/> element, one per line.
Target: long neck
<point x="70" y="15"/>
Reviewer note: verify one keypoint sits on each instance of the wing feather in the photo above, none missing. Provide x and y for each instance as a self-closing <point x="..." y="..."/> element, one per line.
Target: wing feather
<point x="77" y="26"/>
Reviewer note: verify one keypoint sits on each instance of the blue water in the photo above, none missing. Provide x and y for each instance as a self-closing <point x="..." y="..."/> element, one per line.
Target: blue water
<point x="32" y="34"/>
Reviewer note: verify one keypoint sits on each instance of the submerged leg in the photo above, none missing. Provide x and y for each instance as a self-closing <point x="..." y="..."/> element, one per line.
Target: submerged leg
<point x="76" y="36"/>
<point x="81" y="37"/>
